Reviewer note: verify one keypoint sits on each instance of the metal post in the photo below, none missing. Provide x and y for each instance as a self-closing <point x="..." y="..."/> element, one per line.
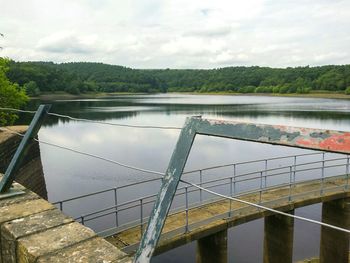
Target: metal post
<point x="61" y="206"/>
<point x="265" y="173"/>
<point x="234" y="178"/>
<point x="186" y="197"/>
<point x="141" y="216"/>
<point x="290" y="183"/>
<point x="116" y="206"/>
<point x="82" y="220"/>
<point x="22" y="149"/>
<point x="231" y="194"/>
<point x="322" y="179"/>
<point x="261" y="185"/>
<point x="295" y="168"/>
<point x="347" y="171"/>
<point x="200" y="183"/>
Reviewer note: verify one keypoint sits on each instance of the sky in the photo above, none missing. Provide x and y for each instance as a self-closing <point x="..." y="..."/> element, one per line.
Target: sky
<point x="177" y="33"/>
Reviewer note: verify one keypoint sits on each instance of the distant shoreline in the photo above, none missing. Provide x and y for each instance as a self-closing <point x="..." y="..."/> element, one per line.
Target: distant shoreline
<point x="64" y="95"/>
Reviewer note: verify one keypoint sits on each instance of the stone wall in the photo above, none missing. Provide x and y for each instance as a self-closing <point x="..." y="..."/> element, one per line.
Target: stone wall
<point x="31" y="173"/>
<point x="33" y="230"/>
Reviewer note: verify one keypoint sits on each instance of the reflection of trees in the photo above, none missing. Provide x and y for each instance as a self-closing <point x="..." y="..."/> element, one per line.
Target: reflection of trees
<point x="108" y="109"/>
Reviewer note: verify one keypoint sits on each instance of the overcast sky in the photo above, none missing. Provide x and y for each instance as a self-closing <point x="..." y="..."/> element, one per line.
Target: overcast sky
<point x="178" y="33"/>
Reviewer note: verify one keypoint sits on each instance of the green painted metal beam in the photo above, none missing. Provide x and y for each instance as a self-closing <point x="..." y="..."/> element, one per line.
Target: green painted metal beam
<point x="316" y="139"/>
<point x="22" y="149"/>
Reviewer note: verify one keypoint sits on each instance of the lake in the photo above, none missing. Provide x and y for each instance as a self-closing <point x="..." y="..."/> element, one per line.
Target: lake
<point x="69" y="174"/>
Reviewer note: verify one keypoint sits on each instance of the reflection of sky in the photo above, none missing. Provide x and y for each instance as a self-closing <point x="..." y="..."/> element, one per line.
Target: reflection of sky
<point x="151" y="149"/>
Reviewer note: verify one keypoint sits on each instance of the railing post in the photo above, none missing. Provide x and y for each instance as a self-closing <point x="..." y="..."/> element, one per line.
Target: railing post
<point x="290" y="184"/>
<point x="322" y="179"/>
<point x="116" y="206"/>
<point x="265" y="173"/>
<point x="231" y="194"/>
<point x="141" y="216"/>
<point x="234" y="178"/>
<point x="61" y="206"/>
<point x="186" y="199"/>
<point x="82" y="220"/>
<point x="261" y="185"/>
<point x="21" y="151"/>
<point x="347" y="172"/>
<point x="200" y="183"/>
<point x="295" y="168"/>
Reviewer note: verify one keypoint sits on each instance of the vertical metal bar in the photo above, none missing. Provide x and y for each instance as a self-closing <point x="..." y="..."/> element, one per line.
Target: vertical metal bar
<point x="322" y="179"/>
<point x="290" y="183"/>
<point x="186" y="197"/>
<point x="116" y="206"/>
<point x="22" y="149"/>
<point x="141" y="216"/>
<point x="347" y="171"/>
<point x="200" y="183"/>
<point x="61" y="206"/>
<point x="261" y="185"/>
<point x="265" y="173"/>
<point x="231" y="194"/>
<point x="295" y="168"/>
<point x="234" y="178"/>
<point x="82" y="220"/>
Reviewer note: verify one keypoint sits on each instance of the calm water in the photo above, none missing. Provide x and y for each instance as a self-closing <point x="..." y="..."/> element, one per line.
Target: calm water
<point x="68" y="174"/>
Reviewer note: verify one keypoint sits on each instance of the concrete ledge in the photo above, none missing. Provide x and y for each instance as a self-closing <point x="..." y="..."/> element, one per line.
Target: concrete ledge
<point x="33" y="230"/>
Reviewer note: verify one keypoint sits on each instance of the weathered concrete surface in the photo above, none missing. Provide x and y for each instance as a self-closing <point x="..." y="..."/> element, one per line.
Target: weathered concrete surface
<point x="93" y="250"/>
<point x="34" y="246"/>
<point x="31" y="173"/>
<point x="128" y="239"/>
<point x="278" y="239"/>
<point x="212" y="248"/>
<point x="19" y="228"/>
<point x="33" y="230"/>
<point x="335" y="244"/>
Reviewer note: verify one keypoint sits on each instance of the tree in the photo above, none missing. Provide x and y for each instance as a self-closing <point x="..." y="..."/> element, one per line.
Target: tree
<point x="32" y="88"/>
<point x="11" y="95"/>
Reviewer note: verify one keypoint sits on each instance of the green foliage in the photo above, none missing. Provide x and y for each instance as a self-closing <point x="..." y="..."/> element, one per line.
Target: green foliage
<point x="32" y="88"/>
<point x="97" y="77"/>
<point x="347" y="91"/>
<point x="11" y="95"/>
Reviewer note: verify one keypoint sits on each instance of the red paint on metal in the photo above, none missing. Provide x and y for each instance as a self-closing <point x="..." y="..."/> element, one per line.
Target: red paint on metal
<point x="307" y="142"/>
<point x="338" y="142"/>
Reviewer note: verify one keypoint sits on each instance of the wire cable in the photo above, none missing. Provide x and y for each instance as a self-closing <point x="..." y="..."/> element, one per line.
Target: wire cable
<point x="87" y="154"/>
<point x="12" y="109"/>
<point x="114" y="124"/>
<point x="98" y="122"/>
<point x="267" y="208"/>
<point x="189" y="183"/>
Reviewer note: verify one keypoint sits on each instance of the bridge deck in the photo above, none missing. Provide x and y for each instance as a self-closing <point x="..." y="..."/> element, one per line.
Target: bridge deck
<point x="213" y="217"/>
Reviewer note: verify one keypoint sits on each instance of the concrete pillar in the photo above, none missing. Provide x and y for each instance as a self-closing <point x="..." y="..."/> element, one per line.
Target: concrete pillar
<point x="212" y="248"/>
<point x="278" y="238"/>
<point x="335" y="244"/>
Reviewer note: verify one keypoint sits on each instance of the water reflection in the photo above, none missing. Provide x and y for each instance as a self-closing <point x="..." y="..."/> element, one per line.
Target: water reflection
<point x="68" y="174"/>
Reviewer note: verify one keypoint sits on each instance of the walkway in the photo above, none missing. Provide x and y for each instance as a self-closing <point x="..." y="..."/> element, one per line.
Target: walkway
<point x="218" y="215"/>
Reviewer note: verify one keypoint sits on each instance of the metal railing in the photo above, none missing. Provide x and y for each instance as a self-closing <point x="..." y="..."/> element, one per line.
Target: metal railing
<point x="257" y="181"/>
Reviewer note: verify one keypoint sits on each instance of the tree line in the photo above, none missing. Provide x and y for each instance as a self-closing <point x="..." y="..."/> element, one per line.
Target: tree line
<point x="82" y="77"/>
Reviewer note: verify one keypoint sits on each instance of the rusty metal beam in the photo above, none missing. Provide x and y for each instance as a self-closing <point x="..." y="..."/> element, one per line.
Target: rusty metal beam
<point x="315" y="139"/>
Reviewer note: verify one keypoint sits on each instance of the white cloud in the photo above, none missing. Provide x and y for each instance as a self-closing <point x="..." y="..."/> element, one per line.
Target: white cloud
<point x="182" y="33"/>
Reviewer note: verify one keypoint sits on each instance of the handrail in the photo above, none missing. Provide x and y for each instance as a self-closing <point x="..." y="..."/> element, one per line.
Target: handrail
<point x="188" y="172"/>
<point x="216" y="185"/>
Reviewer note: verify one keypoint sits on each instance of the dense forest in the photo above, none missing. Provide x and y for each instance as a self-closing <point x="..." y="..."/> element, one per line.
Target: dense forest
<point x="82" y="77"/>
